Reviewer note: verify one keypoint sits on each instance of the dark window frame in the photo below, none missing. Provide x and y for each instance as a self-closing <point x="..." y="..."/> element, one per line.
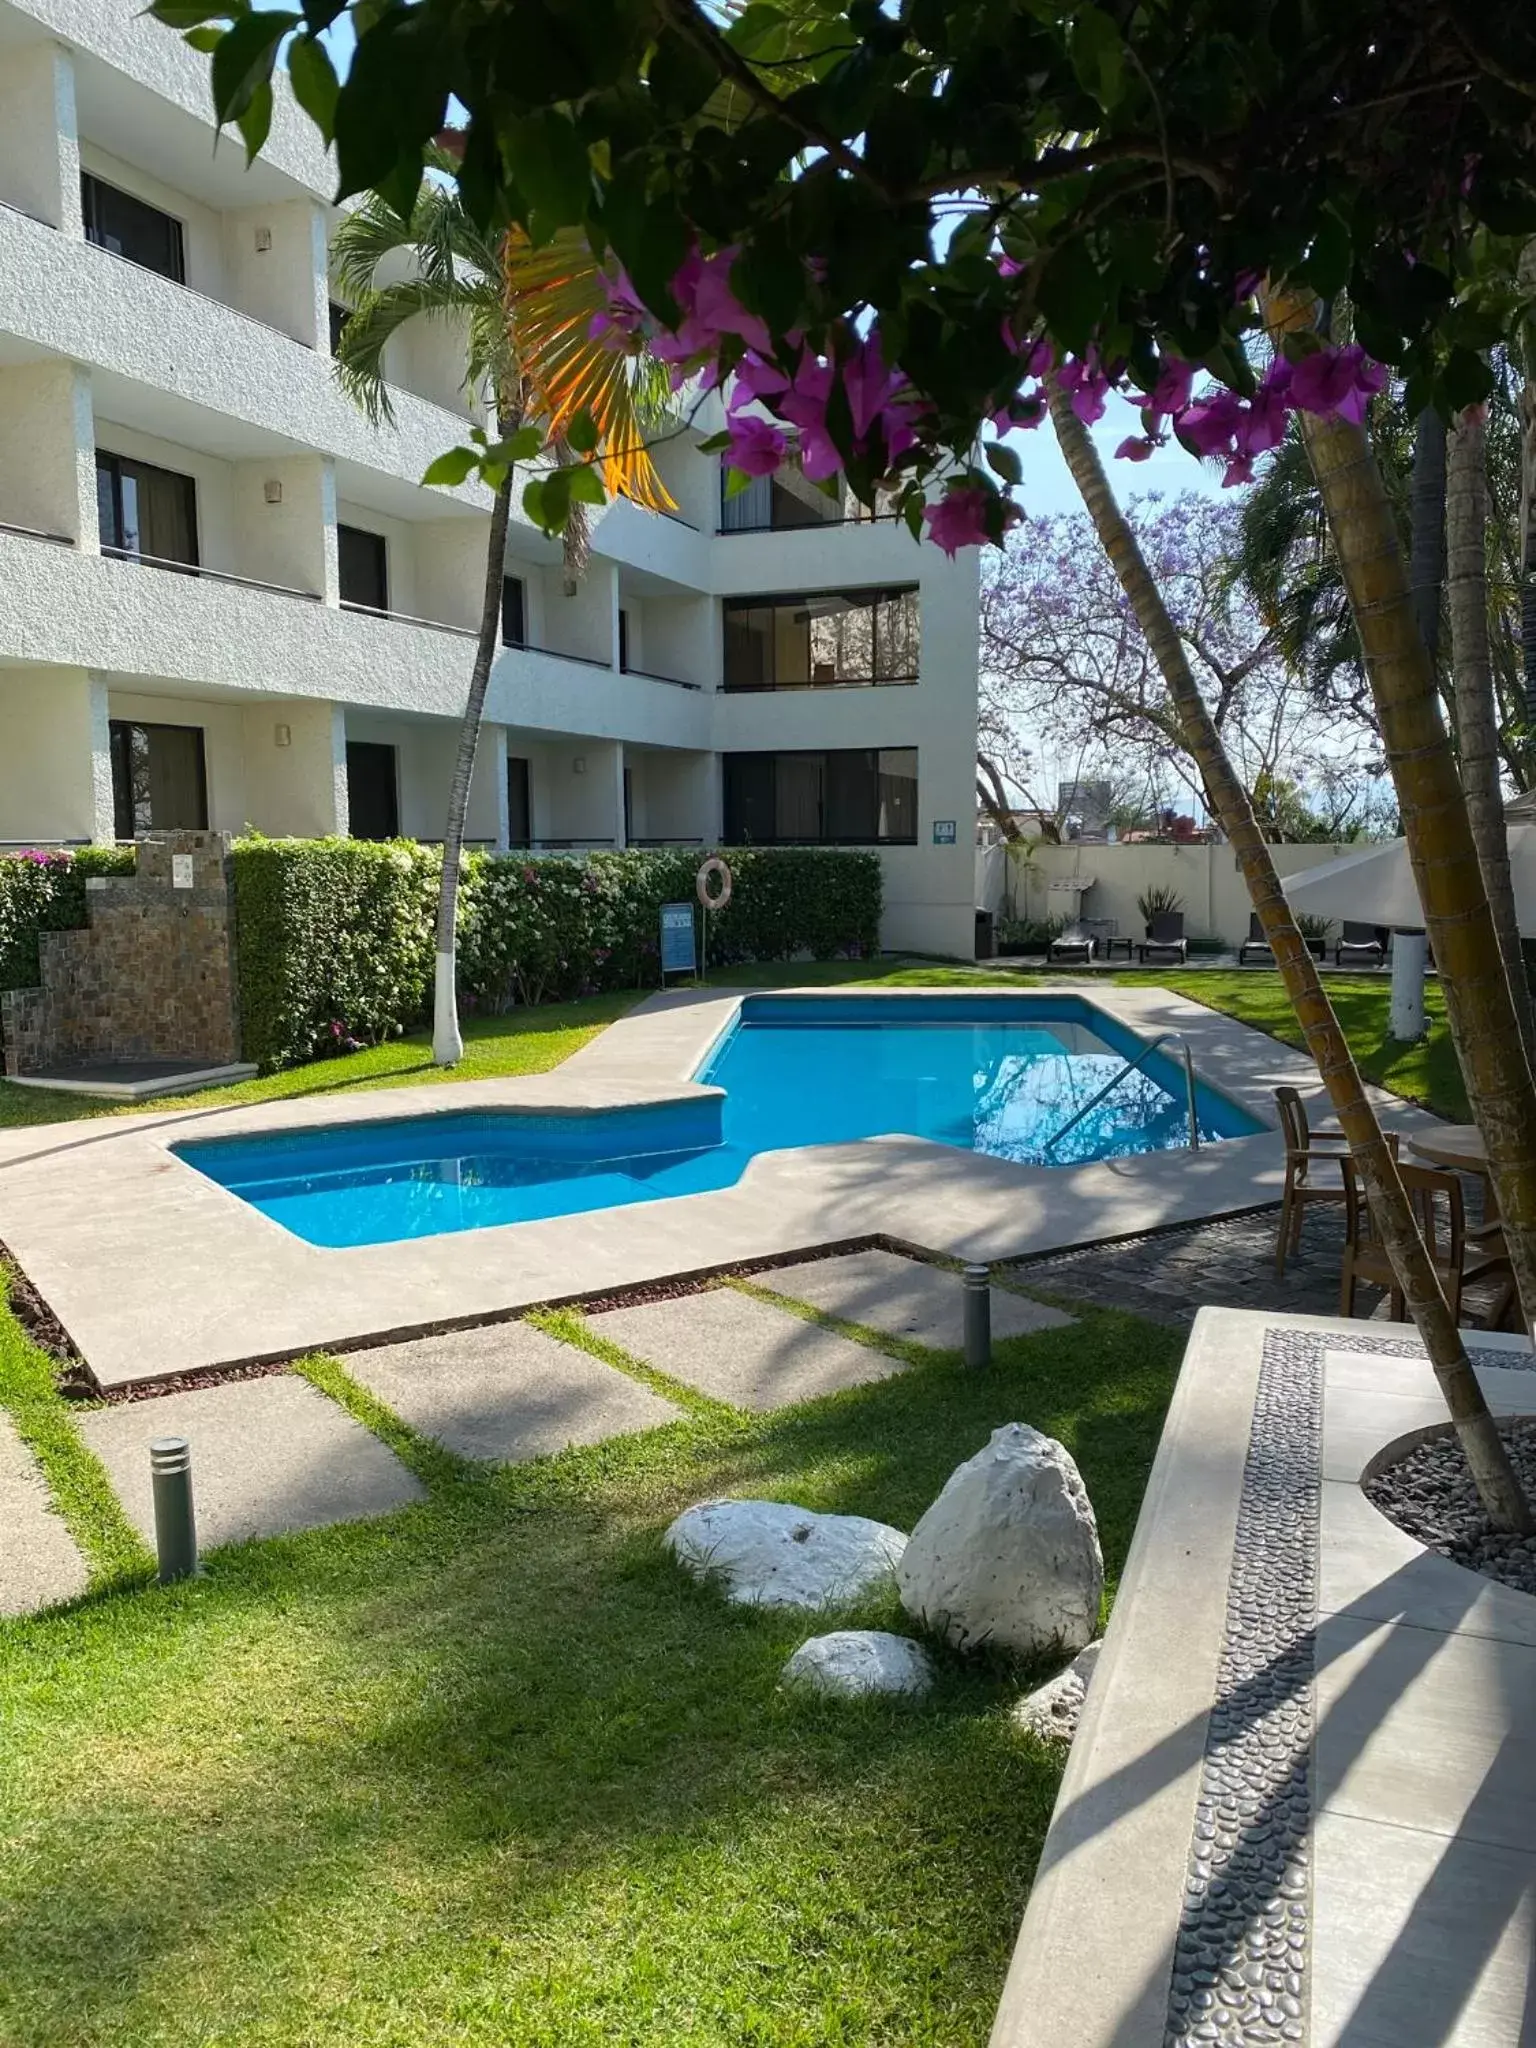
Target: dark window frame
<point x="98" y="195"/>
<point x="381" y="553"/>
<point x="113" y="467"/>
<point x="867" y="763"/>
<point x="514" y="611"/>
<point x="124" y="804"/>
<point x="872" y="597"/>
<point x="374" y="748"/>
<point x="519" y="799"/>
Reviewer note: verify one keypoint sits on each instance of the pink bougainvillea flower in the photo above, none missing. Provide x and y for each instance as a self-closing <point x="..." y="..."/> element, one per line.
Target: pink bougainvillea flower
<point x="959" y="519"/>
<point x="622" y="322"/>
<point x="1138" y="448"/>
<point x="1238" y="471"/>
<point x="1009" y="266"/>
<point x="1174" y="387"/>
<point x="712" y="313"/>
<point x="1210" y="425"/>
<point x="1084" y="380"/>
<point x="755" y="447"/>
<point x="1336" y="383"/>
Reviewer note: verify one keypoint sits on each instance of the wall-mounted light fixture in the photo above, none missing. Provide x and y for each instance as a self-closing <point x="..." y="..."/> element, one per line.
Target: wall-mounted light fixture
<point x="282" y="735"/>
<point x="263" y="241"/>
<point x="579" y="765"/>
<point x="272" y="490"/>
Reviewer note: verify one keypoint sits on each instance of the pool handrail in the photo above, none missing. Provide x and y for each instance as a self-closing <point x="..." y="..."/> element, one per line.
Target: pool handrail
<point x="1129" y="1068"/>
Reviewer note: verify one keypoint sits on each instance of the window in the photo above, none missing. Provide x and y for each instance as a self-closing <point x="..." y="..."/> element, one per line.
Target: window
<point x="363" y="564"/>
<point x="856" y="796"/>
<point x="159" y="783"/>
<point x="623" y="638"/>
<point x="373" y="797"/>
<point x="519" y="802"/>
<point x="128" y="227"/>
<point x="340" y="315"/>
<point x="514" y="612"/>
<point x="826" y="639"/>
<point x="776" y="503"/>
<point x="146" y="514"/>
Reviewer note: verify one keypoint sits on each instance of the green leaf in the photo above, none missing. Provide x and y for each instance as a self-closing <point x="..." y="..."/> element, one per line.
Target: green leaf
<point x="582" y="433"/>
<point x="191" y="13"/>
<point x="519" y="447"/>
<point x="255" y="123"/>
<point x="549" y="161"/>
<point x="584" y="485"/>
<point x="1465" y="380"/>
<point x="314" y="82"/>
<point x="736" y="480"/>
<point x="244" y="58"/>
<point x="681" y="77"/>
<point x="204" y="40"/>
<point x="1003" y="461"/>
<point x="1328" y="260"/>
<point x="453" y="468"/>
<point x="1098" y="56"/>
<point x="715" y="443"/>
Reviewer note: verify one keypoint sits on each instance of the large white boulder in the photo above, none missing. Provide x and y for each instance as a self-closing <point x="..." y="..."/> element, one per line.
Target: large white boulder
<point x="851" y="1663"/>
<point x="1008" y="1555"/>
<point x="1053" y="1710"/>
<point x="764" y="1554"/>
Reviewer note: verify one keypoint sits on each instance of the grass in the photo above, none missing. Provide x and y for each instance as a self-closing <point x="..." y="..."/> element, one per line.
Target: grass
<point x="491" y="1771"/>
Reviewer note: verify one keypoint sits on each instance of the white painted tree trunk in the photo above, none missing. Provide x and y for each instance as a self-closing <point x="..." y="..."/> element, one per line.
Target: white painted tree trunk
<point x="1410" y="957"/>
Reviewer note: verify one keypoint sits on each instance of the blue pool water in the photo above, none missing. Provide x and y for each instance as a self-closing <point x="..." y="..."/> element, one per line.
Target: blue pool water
<point x="993" y="1075"/>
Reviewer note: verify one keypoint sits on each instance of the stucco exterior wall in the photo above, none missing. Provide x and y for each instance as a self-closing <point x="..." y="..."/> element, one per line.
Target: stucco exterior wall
<point x="1206" y="879"/>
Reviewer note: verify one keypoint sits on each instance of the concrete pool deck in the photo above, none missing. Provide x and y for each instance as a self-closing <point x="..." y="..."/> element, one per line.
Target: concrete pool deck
<point x="1301" y="1802"/>
<point x="154" y="1270"/>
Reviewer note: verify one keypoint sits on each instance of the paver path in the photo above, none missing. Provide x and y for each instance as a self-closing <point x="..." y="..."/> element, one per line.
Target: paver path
<point x="39" y="1563"/>
<point x="506" y="1391"/>
<point x="741" y="1350"/>
<point x="902" y="1297"/>
<point x="268" y="1455"/>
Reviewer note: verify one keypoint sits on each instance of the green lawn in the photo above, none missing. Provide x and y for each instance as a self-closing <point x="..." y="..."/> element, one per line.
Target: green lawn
<point x="490" y="1771"/>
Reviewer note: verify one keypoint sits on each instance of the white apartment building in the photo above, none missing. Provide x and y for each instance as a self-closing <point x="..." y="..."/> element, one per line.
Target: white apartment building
<point x="226" y="599"/>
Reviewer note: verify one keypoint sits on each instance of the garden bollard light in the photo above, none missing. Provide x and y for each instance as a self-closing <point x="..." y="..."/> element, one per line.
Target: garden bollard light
<point x="170" y="1471"/>
<point x="978" y="1317"/>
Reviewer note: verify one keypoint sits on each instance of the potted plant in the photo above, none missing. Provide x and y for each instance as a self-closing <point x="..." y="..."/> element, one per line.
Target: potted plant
<point x="1162" y="911"/>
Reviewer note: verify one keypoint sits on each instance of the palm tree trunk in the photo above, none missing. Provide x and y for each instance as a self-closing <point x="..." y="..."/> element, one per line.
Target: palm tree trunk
<point x="1526" y="556"/>
<point x="1466" y="519"/>
<point x="447" y="1040"/>
<point x="1486" y="1457"/>
<point x="1427" y="526"/>
<point x="1478" y="1001"/>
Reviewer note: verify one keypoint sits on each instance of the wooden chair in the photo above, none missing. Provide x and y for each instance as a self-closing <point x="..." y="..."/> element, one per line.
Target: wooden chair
<point x="1255" y="943"/>
<point x="1359" y="946"/>
<point x="1305" y="1149"/>
<point x="1435" y="1199"/>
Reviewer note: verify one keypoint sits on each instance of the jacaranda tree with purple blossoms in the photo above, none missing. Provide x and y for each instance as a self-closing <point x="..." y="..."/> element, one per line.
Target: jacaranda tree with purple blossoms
<point x="901" y="232"/>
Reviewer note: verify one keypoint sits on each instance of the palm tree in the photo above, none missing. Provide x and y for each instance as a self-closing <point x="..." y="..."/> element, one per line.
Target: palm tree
<point x="1485" y="1453"/>
<point x="525" y="314"/>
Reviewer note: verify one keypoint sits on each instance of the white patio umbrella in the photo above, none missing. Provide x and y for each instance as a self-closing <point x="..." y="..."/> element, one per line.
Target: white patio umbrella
<point x="1377" y="887"/>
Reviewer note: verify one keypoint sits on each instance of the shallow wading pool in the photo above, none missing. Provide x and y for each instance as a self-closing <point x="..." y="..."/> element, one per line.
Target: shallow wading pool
<point x="994" y="1075"/>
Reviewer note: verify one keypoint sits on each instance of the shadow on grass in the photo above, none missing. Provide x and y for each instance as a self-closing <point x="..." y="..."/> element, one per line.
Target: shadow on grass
<point x="496" y="1754"/>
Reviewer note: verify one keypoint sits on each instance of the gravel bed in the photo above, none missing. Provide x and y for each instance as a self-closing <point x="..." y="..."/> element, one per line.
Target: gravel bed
<point x="1429" y="1494"/>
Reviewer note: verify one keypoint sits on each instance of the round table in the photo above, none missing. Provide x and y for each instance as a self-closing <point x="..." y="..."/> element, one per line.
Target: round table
<point x="1459" y="1147"/>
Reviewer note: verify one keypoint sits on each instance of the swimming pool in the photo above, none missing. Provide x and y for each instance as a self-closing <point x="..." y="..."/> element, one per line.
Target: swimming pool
<point x="988" y="1074"/>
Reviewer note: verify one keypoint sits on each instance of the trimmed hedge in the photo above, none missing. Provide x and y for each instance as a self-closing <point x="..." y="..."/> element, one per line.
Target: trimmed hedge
<point x="45" y="892"/>
<point x="335" y="935"/>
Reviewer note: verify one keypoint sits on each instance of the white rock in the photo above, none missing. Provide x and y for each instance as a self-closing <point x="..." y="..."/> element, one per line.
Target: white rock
<point x="765" y="1554"/>
<point x="1008" y="1555"/>
<point x="852" y="1662"/>
<point x="1052" y="1710"/>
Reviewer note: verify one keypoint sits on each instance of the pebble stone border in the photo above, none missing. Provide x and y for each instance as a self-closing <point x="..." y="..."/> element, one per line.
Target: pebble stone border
<point x="1240" y="1957"/>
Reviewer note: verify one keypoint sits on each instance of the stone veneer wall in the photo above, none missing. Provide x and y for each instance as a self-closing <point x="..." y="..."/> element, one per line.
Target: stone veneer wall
<point x="151" y="975"/>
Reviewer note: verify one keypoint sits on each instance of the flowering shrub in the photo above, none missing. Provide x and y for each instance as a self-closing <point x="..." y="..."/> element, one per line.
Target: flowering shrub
<point x="43" y="890"/>
<point x="336" y="941"/>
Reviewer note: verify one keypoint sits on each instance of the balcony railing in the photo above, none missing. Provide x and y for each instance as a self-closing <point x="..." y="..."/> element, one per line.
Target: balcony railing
<point x="58" y="540"/>
<point x="731" y="689"/>
<point x="372" y="611"/>
<point x="199" y="569"/>
<point x="653" y="675"/>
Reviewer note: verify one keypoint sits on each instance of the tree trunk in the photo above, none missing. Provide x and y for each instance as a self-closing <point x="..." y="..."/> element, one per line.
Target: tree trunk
<point x="1478" y="1001"/>
<point x="1427" y="526"/>
<point x="989" y="787"/>
<point x="447" y="1040"/>
<point x="1489" y="1463"/>
<point x="1476" y="716"/>
<point x="1526" y="554"/>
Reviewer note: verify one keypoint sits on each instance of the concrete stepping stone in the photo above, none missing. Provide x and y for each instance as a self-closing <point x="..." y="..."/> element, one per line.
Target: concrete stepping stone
<point x="903" y="1298"/>
<point x="39" y="1563"/>
<point x="740" y="1350"/>
<point x="506" y="1392"/>
<point x="268" y="1456"/>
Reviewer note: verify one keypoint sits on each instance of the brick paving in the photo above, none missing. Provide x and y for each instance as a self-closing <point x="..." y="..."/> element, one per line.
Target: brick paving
<point x="1226" y="1264"/>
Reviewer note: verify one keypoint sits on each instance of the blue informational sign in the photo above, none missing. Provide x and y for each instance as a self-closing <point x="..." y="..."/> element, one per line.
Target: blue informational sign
<point x="677" y="940"/>
<point x="943" y="831"/>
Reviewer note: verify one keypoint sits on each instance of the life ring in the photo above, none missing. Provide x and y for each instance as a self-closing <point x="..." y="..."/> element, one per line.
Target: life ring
<point x="713" y="870"/>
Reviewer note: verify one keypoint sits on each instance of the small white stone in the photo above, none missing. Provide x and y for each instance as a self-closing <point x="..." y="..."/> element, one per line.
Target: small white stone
<point x="1008" y="1555"/>
<point x="766" y="1554"/>
<point x="851" y="1663"/>
<point x="1053" y="1710"/>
